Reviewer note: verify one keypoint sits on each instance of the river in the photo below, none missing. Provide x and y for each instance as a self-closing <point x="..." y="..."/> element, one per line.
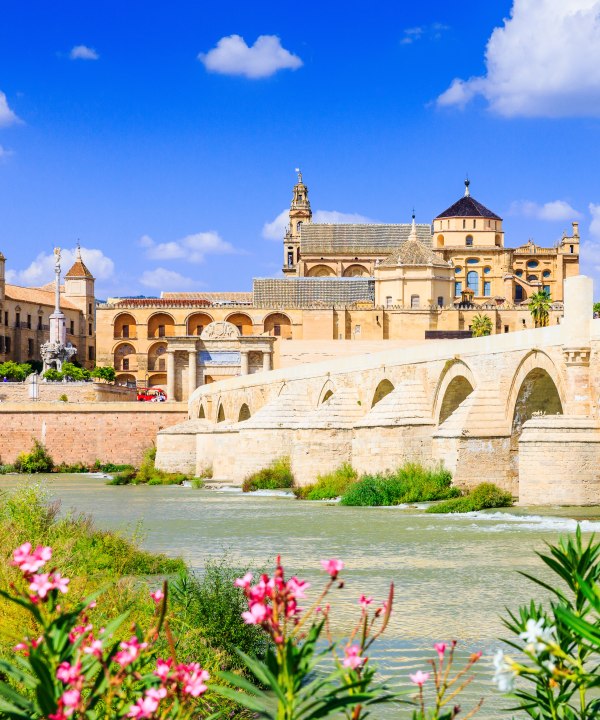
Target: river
<point x="454" y="575"/>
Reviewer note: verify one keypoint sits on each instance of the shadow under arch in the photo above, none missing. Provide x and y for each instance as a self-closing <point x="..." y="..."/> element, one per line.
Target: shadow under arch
<point x="326" y="392"/>
<point x="456" y="383"/>
<point x="220" y="414"/>
<point x="244" y="413"/>
<point x="201" y="413"/>
<point x="384" y="388"/>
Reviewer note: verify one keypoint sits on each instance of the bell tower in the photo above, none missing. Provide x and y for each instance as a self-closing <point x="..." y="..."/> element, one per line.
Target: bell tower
<point x="300" y="212"/>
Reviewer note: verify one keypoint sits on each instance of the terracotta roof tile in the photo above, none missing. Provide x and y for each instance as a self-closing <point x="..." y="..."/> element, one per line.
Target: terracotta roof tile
<point x="354" y="239"/>
<point x="37" y="296"/>
<point x="79" y="269"/>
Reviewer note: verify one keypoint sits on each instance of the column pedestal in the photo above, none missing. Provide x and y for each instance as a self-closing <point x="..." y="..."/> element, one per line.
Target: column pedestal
<point x="266" y="361"/>
<point x="192" y="372"/>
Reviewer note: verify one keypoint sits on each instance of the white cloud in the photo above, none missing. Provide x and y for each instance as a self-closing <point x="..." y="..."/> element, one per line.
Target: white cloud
<point x="41" y="270"/>
<point x="4" y="153"/>
<point x="7" y="116"/>
<point x="83" y="52"/>
<point x="275" y="230"/>
<point x="555" y="210"/>
<point x="595" y="224"/>
<point x="433" y="32"/>
<point x="192" y="248"/>
<point x="544" y="62"/>
<point x="169" y="280"/>
<point x="232" y="56"/>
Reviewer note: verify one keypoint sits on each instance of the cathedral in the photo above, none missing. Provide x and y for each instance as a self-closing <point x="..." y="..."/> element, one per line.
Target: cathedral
<point x="345" y="289"/>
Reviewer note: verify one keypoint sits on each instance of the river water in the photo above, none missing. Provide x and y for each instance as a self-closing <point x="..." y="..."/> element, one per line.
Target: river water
<point x="454" y="575"/>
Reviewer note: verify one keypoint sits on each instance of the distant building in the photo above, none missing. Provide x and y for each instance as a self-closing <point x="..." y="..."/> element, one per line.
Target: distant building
<point x="368" y="282"/>
<point x="25" y="313"/>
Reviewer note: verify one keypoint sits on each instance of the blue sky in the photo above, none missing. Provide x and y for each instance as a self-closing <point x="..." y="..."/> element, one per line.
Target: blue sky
<point x="165" y="139"/>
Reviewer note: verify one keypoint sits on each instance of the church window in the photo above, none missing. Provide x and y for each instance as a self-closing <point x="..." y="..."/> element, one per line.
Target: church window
<point x="506" y="328"/>
<point x="464" y="224"/>
<point x="91" y="352"/>
<point x="299" y="225"/>
<point x="6" y="317"/>
<point x="532" y="278"/>
<point x="457" y="288"/>
<point x="457" y="269"/>
<point x="125" y="363"/>
<point x="290" y="258"/>
<point x="29" y="322"/>
<point x="474" y="224"/>
<point x="519" y="273"/>
<point x="487" y="270"/>
<point x="125" y="331"/>
<point x="30" y="348"/>
<point x="498" y="241"/>
<point x="1" y="344"/>
<point x="473" y="281"/>
<point x="161" y="331"/>
<point x="518" y="293"/>
<point x="469" y="241"/>
<point x="572" y="250"/>
<point x="440" y="301"/>
<point x="472" y="261"/>
<point x="487" y="288"/>
<point x="277" y="330"/>
<point x="17" y="319"/>
<point x="547" y="290"/>
<point x="72" y="327"/>
<point x="415" y="301"/>
<point x="532" y="264"/>
<point x="89" y="308"/>
<point x="546" y="273"/>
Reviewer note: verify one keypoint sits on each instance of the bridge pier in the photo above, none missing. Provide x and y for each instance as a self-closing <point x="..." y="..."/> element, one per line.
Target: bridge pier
<point x="176" y="447"/>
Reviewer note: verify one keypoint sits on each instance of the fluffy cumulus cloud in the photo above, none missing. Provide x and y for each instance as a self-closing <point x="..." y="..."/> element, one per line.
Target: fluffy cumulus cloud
<point x="41" y="270"/>
<point x="232" y="56"/>
<point x="168" y="280"/>
<point x="191" y="248"/>
<point x="543" y="62"/>
<point x="7" y="116"/>
<point x="555" y="210"/>
<point x="83" y="52"/>
<point x="275" y="230"/>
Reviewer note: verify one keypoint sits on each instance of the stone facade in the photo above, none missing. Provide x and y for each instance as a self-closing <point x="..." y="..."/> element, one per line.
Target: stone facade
<point x="484" y="407"/>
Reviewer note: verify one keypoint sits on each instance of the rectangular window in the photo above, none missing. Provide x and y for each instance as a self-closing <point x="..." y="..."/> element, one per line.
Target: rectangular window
<point x="572" y="249"/>
<point x="506" y="328"/>
<point x="457" y="288"/>
<point x="290" y="261"/>
<point x="125" y="363"/>
<point x="6" y="317"/>
<point x="414" y="301"/>
<point x="30" y="348"/>
<point x="90" y="352"/>
<point x="125" y="331"/>
<point x="388" y="301"/>
<point x="464" y="224"/>
<point x="18" y="320"/>
<point x="7" y="344"/>
<point x="40" y="321"/>
<point x="357" y="329"/>
<point x="547" y="290"/>
<point x="161" y="331"/>
<point x="440" y="301"/>
<point x="29" y="322"/>
<point x="1" y="344"/>
<point x="90" y="329"/>
<point x="474" y="224"/>
<point x="72" y="327"/>
<point x="199" y="329"/>
<point x="89" y="308"/>
<point x="487" y="288"/>
<point x="277" y="330"/>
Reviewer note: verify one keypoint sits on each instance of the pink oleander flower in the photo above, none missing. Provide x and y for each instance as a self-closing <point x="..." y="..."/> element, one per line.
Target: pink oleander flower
<point x="257" y="613"/>
<point x="297" y="587"/>
<point x="332" y="567"/>
<point x="67" y="673"/>
<point x="95" y="648"/>
<point x="59" y="583"/>
<point x="419" y="678"/>
<point x="193" y="679"/>
<point x="30" y="562"/>
<point x="78" y="631"/>
<point x="146" y="707"/>
<point x="364" y="602"/>
<point x="353" y="658"/>
<point x="163" y="667"/>
<point x="41" y="585"/>
<point x="440" y="648"/>
<point x="21" y="647"/>
<point x="130" y="651"/>
<point x="157" y="596"/>
<point x="244" y="582"/>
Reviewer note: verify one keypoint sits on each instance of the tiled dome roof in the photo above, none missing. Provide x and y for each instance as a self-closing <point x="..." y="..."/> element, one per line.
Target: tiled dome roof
<point x="414" y="252"/>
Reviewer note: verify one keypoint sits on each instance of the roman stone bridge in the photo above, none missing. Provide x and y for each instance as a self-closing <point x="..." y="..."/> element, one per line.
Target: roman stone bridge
<point x="519" y="409"/>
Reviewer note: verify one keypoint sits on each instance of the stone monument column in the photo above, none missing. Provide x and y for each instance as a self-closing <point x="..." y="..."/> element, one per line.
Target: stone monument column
<point x="170" y="375"/>
<point x="192" y="370"/>
<point x="244" y="367"/>
<point x="266" y="361"/>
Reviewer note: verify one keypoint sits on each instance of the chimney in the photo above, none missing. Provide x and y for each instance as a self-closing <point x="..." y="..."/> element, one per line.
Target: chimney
<point x="575" y="229"/>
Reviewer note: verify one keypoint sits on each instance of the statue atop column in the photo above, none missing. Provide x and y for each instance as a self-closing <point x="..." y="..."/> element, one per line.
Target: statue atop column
<point x="57" y="351"/>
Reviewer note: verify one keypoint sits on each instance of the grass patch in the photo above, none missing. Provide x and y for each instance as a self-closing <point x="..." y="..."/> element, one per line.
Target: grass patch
<point x="276" y="476"/>
<point x="330" y="485"/>
<point x="410" y="483"/>
<point x="484" y="496"/>
<point x="149" y="474"/>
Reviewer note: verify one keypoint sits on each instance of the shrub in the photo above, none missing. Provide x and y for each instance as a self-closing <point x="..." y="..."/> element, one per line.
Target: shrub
<point x="107" y="374"/>
<point x="52" y="375"/>
<point x="109" y="467"/>
<point x="485" y="495"/>
<point x="147" y="474"/>
<point x="37" y="461"/>
<point x="124" y="477"/>
<point x="15" y="371"/>
<point x="274" y="477"/>
<point x="77" y="467"/>
<point x="328" y="486"/>
<point x="410" y="483"/>
<point x="63" y="398"/>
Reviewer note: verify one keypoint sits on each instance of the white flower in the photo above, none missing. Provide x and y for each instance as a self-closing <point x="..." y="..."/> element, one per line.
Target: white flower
<point x="504" y="677"/>
<point x="549" y="665"/>
<point x="537" y="636"/>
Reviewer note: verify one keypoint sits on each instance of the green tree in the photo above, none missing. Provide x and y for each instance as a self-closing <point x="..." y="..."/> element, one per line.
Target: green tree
<point x="539" y="307"/>
<point x="107" y="374"/>
<point x="481" y="325"/>
<point x="15" y="371"/>
<point x="72" y="372"/>
<point x="597" y="308"/>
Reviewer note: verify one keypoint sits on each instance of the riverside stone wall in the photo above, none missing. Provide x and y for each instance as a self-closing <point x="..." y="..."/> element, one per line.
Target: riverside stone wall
<point x="76" y="392"/>
<point x="110" y="431"/>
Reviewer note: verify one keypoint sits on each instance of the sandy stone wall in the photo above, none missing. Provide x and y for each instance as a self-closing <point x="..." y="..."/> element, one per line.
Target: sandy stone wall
<point x="76" y="392"/>
<point x="110" y="432"/>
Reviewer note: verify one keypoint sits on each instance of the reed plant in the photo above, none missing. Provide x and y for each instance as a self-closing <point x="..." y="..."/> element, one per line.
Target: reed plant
<point x="482" y="497"/>
<point x="278" y="475"/>
<point x="329" y="485"/>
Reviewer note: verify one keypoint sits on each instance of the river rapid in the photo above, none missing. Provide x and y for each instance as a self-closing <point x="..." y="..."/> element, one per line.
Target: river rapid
<point x="453" y="574"/>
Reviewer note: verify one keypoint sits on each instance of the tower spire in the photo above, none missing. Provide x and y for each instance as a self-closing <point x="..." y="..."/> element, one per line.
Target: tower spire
<point x="413" y="228"/>
<point x="467" y="183"/>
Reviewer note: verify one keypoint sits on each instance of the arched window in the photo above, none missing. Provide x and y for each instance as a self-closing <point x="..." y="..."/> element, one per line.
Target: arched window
<point x="546" y="273"/>
<point x="440" y="239"/>
<point x="532" y="264"/>
<point x="519" y="273"/>
<point x="457" y="270"/>
<point x="299" y="225"/>
<point x="473" y="281"/>
<point x="469" y="241"/>
<point x="414" y="301"/>
<point x="518" y="293"/>
<point x="532" y="278"/>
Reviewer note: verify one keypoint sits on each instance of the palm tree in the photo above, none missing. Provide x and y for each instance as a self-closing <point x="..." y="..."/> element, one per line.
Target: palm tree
<point x="481" y="325"/>
<point x="539" y="307"/>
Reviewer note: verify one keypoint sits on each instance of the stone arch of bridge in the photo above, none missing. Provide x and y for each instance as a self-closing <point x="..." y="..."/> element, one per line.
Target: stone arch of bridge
<point x="384" y="387"/>
<point x="455" y="384"/>
<point x="221" y="413"/>
<point x="244" y="413"/>
<point x="326" y="392"/>
<point x="201" y="412"/>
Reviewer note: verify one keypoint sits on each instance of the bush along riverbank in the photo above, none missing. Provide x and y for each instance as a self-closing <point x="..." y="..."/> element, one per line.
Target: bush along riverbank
<point x="149" y="474"/>
<point x="276" y="476"/>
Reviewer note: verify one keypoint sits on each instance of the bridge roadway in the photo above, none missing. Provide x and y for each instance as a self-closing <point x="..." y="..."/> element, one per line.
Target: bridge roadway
<point x="518" y="409"/>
